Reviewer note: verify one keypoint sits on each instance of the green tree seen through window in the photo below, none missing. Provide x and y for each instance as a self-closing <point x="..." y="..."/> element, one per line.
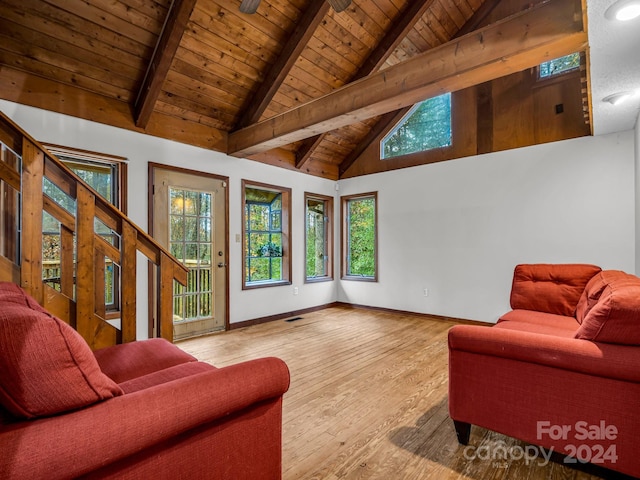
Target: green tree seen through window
<point x="560" y="65"/>
<point x="425" y="127"/>
<point x="361" y="237"/>
<point x="266" y="228"/>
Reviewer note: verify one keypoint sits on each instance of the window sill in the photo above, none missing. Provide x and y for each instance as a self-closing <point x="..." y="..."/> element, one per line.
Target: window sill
<point x="318" y="279"/>
<point x="358" y="278"/>
<point x="265" y="283"/>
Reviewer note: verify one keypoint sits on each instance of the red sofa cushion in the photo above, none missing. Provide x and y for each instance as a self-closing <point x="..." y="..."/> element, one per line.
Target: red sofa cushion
<point x="46" y="367"/>
<point x="550" y="288"/>
<point x="615" y="318"/>
<point x="540" y="318"/>
<point x="594" y="289"/>
<point x="135" y="359"/>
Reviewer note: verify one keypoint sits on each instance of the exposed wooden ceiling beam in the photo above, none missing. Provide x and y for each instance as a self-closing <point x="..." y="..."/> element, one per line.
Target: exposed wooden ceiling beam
<point x="546" y="31"/>
<point x="305" y="151"/>
<point x="163" y="55"/>
<point x="388" y="121"/>
<point x="402" y="26"/>
<point x="478" y="17"/>
<point x="405" y="22"/>
<point x="21" y="87"/>
<point x="278" y="72"/>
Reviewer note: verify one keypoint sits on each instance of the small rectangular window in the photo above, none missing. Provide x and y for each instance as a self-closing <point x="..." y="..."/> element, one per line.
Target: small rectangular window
<point x="360" y="237"/>
<point x="560" y="65"/>
<point x="266" y="234"/>
<point x="318" y="237"/>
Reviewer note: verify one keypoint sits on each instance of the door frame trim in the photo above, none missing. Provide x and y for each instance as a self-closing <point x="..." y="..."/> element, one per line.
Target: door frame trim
<point x="152" y="166"/>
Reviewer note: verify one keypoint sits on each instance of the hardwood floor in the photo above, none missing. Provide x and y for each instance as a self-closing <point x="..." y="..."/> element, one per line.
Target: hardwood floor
<point x="368" y="399"/>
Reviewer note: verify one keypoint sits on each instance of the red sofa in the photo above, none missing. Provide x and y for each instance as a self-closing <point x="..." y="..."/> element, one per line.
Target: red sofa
<point x="139" y="410"/>
<point x="561" y="370"/>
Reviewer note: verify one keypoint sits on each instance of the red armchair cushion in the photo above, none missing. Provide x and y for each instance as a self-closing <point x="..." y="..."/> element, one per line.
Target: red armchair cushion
<point x="135" y="359"/>
<point x="550" y="288"/>
<point x="615" y="317"/>
<point x="46" y="367"/>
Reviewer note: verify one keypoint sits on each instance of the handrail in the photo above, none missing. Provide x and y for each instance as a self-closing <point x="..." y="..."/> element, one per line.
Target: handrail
<point x="97" y="242"/>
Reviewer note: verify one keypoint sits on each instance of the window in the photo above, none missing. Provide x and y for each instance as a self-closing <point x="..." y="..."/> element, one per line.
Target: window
<point x="559" y="65"/>
<point x="107" y="175"/>
<point x="318" y="237"/>
<point x="266" y="233"/>
<point x="360" y="237"/>
<point x="425" y="127"/>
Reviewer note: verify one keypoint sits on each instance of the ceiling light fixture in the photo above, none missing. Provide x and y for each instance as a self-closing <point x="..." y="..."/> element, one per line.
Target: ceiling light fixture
<point x="251" y="6"/>
<point x="618" y="98"/>
<point x="623" y="10"/>
<point x="339" y="5"/>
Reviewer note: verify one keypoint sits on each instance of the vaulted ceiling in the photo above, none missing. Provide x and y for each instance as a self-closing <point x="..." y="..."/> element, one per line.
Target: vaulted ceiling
<point x="296" y="84"/>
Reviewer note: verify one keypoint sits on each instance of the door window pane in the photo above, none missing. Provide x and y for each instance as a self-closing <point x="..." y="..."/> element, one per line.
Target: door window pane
<point x="190" y="224"/>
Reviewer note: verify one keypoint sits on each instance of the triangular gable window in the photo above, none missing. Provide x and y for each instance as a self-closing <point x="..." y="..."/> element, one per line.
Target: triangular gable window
<point x="425" y="127"/>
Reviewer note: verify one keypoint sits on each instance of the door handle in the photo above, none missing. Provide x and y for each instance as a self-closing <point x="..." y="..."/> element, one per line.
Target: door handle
<point x="222" y="265"/>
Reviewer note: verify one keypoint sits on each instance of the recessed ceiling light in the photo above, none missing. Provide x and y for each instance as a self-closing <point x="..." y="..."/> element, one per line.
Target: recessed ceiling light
<point x="618" y="98"/>
<point x="623" y="10"/>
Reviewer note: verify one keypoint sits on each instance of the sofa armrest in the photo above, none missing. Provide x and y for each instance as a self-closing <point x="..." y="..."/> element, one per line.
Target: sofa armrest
<point x="79" y="442"/>
<point x="601" y="359"/>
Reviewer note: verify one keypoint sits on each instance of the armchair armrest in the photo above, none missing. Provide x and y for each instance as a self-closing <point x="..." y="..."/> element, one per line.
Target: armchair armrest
<point x="601" y="359"/>
<point x="78" y="442"/>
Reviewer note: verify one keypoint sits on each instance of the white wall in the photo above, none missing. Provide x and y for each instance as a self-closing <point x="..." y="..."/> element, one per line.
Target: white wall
<point x="140" y="149"/>
<point x="458" y="228"/>
<point x="637" y="204"/>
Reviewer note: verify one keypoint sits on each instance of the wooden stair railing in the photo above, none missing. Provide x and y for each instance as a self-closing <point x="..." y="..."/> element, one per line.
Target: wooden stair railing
<point x="94" y="236"/>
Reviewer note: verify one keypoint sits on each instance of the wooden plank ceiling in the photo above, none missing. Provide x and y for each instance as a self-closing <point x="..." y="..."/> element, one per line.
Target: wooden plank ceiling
<point x="199" y="71"/>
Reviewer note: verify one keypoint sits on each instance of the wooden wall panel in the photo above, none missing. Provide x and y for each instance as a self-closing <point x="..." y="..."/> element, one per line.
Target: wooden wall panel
<point x="510" y="112"/>
<point x="558" y="110"/>
<point x="92" y="56"/>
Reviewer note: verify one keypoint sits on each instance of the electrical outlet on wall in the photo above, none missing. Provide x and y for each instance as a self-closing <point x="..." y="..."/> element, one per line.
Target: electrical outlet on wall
<point x="426" y="292"/>
<point x="295" y="290"/>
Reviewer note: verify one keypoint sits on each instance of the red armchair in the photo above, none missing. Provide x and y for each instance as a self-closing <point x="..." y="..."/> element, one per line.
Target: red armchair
<point x="561" y="370"/>
<point x="139" y="410"/>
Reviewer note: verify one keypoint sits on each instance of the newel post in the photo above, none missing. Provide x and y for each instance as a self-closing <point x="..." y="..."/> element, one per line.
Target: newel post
<point x="32" y="206"/>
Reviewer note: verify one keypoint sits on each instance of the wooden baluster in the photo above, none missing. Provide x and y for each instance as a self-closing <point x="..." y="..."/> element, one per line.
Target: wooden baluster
<point x="100" y="284"/>
<point x="32" y="207"/>
<point x="128" y="282"/>
<point x="85" y="279"/>
<point x="67" y="267"/>
<point x="165" y="297"/>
